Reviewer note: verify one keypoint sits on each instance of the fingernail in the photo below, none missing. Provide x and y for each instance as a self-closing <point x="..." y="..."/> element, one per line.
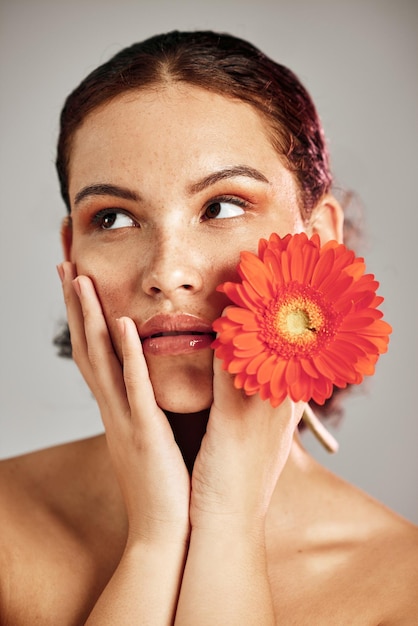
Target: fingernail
<point x="121" y="324"/>
<point x="76" y="286"/>
<point x="60" y="271"/>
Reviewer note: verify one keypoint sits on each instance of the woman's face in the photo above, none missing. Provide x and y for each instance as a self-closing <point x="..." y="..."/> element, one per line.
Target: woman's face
<point x="167" y="186"/>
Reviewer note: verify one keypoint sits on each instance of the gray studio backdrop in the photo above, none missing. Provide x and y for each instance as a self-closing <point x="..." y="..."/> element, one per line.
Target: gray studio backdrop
<point x="358" y="59"/>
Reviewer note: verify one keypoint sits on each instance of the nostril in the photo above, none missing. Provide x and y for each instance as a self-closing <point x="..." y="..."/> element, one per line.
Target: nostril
<point x="157" y="290"/>
<point x="167" y="279"/>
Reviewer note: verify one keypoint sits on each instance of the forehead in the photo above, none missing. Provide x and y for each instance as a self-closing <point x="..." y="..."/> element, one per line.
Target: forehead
<point x="180" y="96"/>
<point x="173" y="107"/>
<point x="177" y="128"/>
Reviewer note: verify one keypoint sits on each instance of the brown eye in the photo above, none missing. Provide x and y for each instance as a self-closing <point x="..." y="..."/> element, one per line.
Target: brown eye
<point x="213" y="210"/>
<point x="224" y="208"/>
<point x="109" y="219"/>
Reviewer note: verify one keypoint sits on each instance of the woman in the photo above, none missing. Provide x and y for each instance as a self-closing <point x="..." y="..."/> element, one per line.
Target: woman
<point x="199" y="505"/>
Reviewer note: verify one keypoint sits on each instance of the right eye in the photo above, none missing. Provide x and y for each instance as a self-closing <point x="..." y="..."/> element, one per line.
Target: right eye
<point x="112" y="219"/>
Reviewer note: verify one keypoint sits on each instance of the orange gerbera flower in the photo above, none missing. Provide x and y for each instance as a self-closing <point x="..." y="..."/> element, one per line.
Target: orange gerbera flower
<point x="305" y="319"/>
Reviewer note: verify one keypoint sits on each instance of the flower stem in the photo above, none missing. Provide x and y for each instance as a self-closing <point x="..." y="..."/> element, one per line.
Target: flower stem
<point x="318" y="429"/>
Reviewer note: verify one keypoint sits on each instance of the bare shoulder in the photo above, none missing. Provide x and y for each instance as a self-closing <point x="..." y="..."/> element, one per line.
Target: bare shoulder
<point x="382" y="557"/>
<point x="350" y="559"/>
<point x="56" y="511"/>
<point x="41" y="485"/>
<point x="54" y="482"/>
<point x="46" y="474"/>
<point x="394" y="556"/>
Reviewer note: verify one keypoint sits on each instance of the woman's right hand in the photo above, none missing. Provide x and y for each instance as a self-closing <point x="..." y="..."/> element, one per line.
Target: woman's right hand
<point x="147" y="461"/>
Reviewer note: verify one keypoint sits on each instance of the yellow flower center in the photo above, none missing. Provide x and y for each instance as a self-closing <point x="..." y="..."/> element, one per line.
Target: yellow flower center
<point x="299" y="322"/>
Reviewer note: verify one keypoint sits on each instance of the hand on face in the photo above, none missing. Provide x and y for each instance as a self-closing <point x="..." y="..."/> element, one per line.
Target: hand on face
<point x="245" y="448"/>
<point x="242" y="454"/>
<point x="147" y="461"/>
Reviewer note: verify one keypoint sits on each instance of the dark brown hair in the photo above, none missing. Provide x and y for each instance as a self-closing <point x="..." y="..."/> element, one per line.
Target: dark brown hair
<point x="223" y="64"/>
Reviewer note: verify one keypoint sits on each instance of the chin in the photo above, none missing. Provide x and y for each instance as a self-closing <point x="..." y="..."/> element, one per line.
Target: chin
<point x="184" y="401"/>
<point x="183" y="389"/>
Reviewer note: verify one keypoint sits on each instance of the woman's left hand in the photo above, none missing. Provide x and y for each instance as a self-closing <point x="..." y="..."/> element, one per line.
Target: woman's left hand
<point x="243" y="452"/>
<point x="245" y="448"/>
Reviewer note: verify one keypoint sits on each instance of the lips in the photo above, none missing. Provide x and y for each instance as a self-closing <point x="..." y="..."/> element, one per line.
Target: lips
<point x="175" y="334"/>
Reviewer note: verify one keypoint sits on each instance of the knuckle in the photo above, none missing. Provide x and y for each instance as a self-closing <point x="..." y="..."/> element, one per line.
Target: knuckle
<point x="95" y="358"/>
<point x="78" y="353"/>
<point x="68" y="297"/>
<point x="130" y="378"/>
<point x="88" y="315"/>
<point x="138" y="439"/>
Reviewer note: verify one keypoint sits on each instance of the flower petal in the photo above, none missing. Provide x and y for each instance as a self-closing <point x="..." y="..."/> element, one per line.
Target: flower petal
<point x="244" y="317"/>
<point x="255" y="363"/>
<point x="277" y="381"/>
<point x="255" y="272"/>
<point x="266" y="369"/>
<point x="323" y="268"/>
<point x="305" y="319"/>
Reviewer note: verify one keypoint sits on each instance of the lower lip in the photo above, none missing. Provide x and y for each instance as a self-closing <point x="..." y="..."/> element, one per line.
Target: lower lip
<point x="176" y="344"/>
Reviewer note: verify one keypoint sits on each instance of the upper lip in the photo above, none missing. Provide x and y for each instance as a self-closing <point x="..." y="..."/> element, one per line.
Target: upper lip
<point x="174" y="323"/>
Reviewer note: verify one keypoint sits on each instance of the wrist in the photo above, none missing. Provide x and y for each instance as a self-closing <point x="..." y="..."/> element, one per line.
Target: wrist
<point x="158" y="536"/>
<point x="152" y="555"/>
<point x="229" y="527"/>
<point x="241" y="545"/>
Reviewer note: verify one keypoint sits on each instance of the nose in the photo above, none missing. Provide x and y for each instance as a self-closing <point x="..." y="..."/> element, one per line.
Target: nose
<point x="172" y="267"/>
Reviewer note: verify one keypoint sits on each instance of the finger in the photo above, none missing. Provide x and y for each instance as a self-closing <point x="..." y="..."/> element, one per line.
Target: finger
<point x="75" y="320"/>
<point x="145" y="413"/>
<point x="226" y="397"/>
<point x="102" y="358"/>
<point x="234" y="404"/>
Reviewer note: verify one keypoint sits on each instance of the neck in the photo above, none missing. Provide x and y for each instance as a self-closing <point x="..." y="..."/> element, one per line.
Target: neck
<point x="189" y="430"/>
<point x="296" y="494"/>
<point x="296" y="502"/>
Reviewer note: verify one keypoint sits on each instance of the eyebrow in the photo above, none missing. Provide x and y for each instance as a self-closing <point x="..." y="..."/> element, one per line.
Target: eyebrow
<point x="102" y="189"/>
<point x="229" y="172"/>
<point x="106" y="189"/>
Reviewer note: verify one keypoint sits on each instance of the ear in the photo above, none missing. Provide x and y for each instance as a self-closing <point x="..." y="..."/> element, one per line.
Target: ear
<point x="67" y="237"/>
<point x="327" y="219"/>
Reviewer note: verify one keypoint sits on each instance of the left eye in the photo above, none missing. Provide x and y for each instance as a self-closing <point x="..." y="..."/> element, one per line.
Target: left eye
<point x="222" y="209"/>
<point x="112" y="219"/>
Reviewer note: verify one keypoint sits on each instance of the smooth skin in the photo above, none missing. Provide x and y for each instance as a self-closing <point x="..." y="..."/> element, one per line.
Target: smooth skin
<point x="199" y="506"/>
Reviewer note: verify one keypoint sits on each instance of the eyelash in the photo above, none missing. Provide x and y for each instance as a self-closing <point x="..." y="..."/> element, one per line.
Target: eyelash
<point x="227" y="199"/>
<point x="97" y="218"/>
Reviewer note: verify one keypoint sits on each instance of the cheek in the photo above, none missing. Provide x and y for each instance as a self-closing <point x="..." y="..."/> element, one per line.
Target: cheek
<point x="115" y="299"/>
<point x="114" y="285"/>
<point x="113" y="291"/>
